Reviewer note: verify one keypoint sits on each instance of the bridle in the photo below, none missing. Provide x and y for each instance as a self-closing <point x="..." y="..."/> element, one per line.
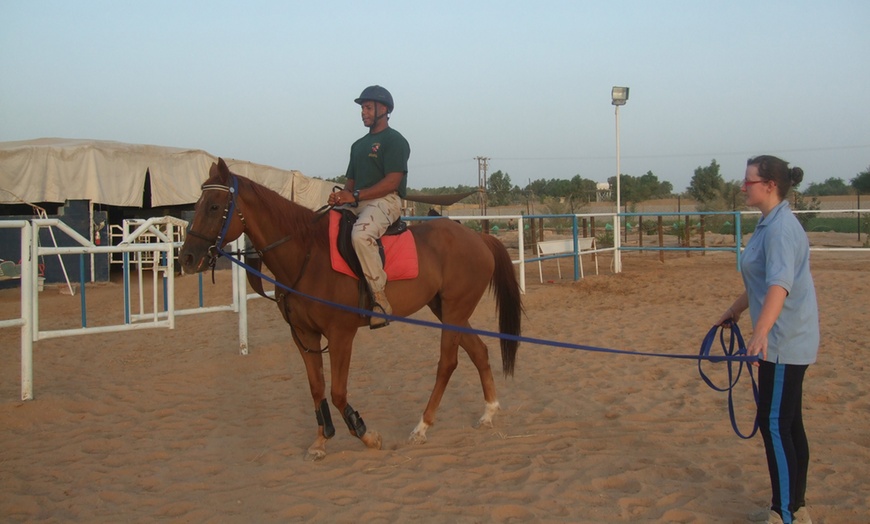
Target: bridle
<point x="214" y="250"/>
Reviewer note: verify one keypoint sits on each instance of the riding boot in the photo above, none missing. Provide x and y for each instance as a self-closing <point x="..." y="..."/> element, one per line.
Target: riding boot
<point x="380" y="305"/>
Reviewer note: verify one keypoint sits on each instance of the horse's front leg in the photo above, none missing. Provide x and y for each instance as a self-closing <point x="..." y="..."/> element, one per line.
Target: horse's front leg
<point x="340" y="349"/>
<point x="325" y="431"/>
<point x="306" y="342"/>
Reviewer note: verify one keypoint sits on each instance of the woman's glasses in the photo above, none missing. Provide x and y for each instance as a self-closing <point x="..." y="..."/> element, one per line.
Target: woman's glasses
<point x="747" y="183"/>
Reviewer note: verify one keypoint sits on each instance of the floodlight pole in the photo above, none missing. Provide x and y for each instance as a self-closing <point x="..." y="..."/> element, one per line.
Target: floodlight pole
<point x="619" y="96"/>
<point x="617" y="230"/>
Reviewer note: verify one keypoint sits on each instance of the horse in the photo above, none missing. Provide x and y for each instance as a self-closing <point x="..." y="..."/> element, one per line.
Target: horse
<point x="456" y="267"/>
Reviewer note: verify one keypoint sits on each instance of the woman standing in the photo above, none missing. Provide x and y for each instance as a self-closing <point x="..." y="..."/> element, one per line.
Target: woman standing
<point x="781" y="298"/>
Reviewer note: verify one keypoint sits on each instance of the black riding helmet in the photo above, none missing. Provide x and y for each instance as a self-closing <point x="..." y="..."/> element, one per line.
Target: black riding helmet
<point x="376" y="94"/>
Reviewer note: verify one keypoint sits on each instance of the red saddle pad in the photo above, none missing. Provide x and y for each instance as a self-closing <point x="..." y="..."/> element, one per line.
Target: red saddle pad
<point x="400" y="253"/>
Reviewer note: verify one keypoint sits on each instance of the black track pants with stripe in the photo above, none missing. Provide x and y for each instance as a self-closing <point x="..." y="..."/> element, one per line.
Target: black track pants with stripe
<point x="785" y="441"/>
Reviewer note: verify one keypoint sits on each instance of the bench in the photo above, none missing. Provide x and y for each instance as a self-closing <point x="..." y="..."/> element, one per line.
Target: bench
<point x="561" y="247"/>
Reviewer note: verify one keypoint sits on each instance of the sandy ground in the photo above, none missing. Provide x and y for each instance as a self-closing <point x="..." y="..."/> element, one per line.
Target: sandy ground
<point x="176" y="426"/>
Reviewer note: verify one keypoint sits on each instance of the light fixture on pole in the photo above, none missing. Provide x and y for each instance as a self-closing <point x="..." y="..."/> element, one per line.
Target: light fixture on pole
<point x="619" y="95"/>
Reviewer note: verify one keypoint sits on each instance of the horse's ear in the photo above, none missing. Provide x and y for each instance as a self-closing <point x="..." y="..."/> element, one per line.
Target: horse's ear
<point x="222" y="168"/>
<point x="212" y="171"/>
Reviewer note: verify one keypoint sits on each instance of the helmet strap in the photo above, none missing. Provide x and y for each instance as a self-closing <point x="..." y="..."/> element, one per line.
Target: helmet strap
<point x="379" y="116"/>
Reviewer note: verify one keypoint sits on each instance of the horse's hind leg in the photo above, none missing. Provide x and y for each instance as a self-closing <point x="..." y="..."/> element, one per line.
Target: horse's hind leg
<point x="446" y="365"/>
<point x="479" y="355"/>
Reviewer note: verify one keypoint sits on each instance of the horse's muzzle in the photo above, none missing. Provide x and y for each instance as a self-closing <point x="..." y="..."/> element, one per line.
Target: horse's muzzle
<point x="191" y="264"/>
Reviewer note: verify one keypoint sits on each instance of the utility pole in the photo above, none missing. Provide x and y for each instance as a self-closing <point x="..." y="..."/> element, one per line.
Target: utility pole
<point x="482" y="165"/>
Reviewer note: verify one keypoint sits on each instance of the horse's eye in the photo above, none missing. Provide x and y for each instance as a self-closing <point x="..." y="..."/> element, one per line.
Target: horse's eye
<point x="215" y="207"/>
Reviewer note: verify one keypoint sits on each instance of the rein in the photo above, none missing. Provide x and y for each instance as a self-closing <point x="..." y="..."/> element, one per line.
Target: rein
<point x="729" y="351"/>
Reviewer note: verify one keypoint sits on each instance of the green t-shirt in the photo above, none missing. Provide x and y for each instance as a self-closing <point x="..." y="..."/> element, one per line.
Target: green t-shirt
<point x="375" y="155"/>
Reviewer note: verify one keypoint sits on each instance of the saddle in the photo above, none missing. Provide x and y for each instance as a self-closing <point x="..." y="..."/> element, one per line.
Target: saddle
<point x="346" y="219"/>
<point x="396" y="247"/>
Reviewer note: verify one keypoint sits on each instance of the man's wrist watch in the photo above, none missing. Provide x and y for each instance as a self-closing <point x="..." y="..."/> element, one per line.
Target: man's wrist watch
<point x="355" y="197"/>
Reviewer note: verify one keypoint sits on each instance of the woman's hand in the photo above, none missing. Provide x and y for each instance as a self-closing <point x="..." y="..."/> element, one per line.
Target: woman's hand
<point x="757" y="345"/>
<point x="727" y="317"/>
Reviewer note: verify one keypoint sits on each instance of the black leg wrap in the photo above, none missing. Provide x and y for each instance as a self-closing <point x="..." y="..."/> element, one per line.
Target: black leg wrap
<point x="325" y="419"/>
<point x="354" y="422"/>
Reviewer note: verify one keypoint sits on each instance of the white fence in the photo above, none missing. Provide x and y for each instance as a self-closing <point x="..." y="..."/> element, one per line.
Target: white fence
<point x="613" y="220"/>
<point x="161" y="245"/>
<point x="160" y="248"/>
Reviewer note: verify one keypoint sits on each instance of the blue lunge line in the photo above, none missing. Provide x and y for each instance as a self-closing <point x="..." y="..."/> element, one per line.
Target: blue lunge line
<point x="460" y="329"/>
<point x="729" y="352"/>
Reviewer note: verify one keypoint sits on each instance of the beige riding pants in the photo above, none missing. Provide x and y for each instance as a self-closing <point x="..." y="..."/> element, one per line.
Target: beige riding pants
<point x="373" y="219"/>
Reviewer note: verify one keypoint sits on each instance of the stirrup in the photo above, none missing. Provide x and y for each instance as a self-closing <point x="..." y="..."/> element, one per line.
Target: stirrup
<point x="378" y="322"/>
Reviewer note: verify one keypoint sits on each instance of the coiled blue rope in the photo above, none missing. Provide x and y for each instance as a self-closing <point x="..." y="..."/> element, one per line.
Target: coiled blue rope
<point x="729" y="351"/>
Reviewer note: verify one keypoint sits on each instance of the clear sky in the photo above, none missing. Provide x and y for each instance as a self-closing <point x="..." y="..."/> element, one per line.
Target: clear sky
<point x="526" y="84"/>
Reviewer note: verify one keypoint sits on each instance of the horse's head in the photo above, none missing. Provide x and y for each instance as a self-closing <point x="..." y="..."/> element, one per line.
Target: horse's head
<point x="215" y="221"/>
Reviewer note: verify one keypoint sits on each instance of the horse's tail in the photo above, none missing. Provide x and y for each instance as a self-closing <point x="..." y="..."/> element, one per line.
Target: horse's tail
<point x="508" y="301"/>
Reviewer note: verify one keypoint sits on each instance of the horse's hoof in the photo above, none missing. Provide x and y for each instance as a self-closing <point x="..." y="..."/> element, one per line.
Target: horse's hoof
<point x="417" y="438"/>
<point x="483" y="423"/>
<point x="372" y="440"/>
<point x="313" y="455"/>
<point x="485" y="420"/>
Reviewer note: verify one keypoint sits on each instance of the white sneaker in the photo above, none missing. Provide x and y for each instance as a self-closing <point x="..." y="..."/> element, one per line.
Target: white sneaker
<point x="766" y="515"/>
<point x="802" y="516"/>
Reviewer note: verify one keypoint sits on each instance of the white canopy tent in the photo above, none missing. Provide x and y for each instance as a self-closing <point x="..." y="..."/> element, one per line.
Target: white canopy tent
<point x="113" y="173"/>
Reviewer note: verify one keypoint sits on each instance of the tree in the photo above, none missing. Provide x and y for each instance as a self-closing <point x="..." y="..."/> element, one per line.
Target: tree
<point x="731" y="195"/>
<point x="537" y="188"/>
<point x="831" y="186"/>
<point x="802" y="205"/>
<point x="582" y="190"/>
<point x="339" y="180"/>
<point x="577" y="189"/>
<point x="558" y="188"/>
<point x="861" y="183"/>
<point x="656" y="189"/>
<point x="707" y="183"/>
<point x="498" y="189"/>
<point x="638" y="189"/>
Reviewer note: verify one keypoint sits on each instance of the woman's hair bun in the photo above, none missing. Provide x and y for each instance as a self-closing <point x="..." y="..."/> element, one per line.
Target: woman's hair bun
<point x="796" y="175"/>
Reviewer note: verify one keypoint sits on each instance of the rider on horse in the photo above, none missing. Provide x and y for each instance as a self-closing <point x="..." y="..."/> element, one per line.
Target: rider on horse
<point x="376" y="184"/>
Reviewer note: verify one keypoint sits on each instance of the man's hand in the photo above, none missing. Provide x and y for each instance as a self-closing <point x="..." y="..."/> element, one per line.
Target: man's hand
<point x="340" y="197"/>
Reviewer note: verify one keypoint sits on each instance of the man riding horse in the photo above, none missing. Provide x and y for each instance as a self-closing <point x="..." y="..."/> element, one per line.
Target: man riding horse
<point x="376" y="184"/>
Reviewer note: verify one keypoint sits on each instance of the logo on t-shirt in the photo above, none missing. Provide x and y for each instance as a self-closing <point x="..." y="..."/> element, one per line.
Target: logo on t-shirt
<point x="375" y="148"/>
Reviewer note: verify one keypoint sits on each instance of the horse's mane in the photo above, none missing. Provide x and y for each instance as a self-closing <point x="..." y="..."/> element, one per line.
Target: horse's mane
<point x="292" y="218"/>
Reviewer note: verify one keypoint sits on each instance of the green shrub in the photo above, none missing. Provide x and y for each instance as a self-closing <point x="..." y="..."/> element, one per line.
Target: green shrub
<point x="604" y="239"/>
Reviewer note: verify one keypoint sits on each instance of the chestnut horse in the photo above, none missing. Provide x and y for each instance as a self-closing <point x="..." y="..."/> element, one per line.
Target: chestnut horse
<point x="456" y="266"/>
